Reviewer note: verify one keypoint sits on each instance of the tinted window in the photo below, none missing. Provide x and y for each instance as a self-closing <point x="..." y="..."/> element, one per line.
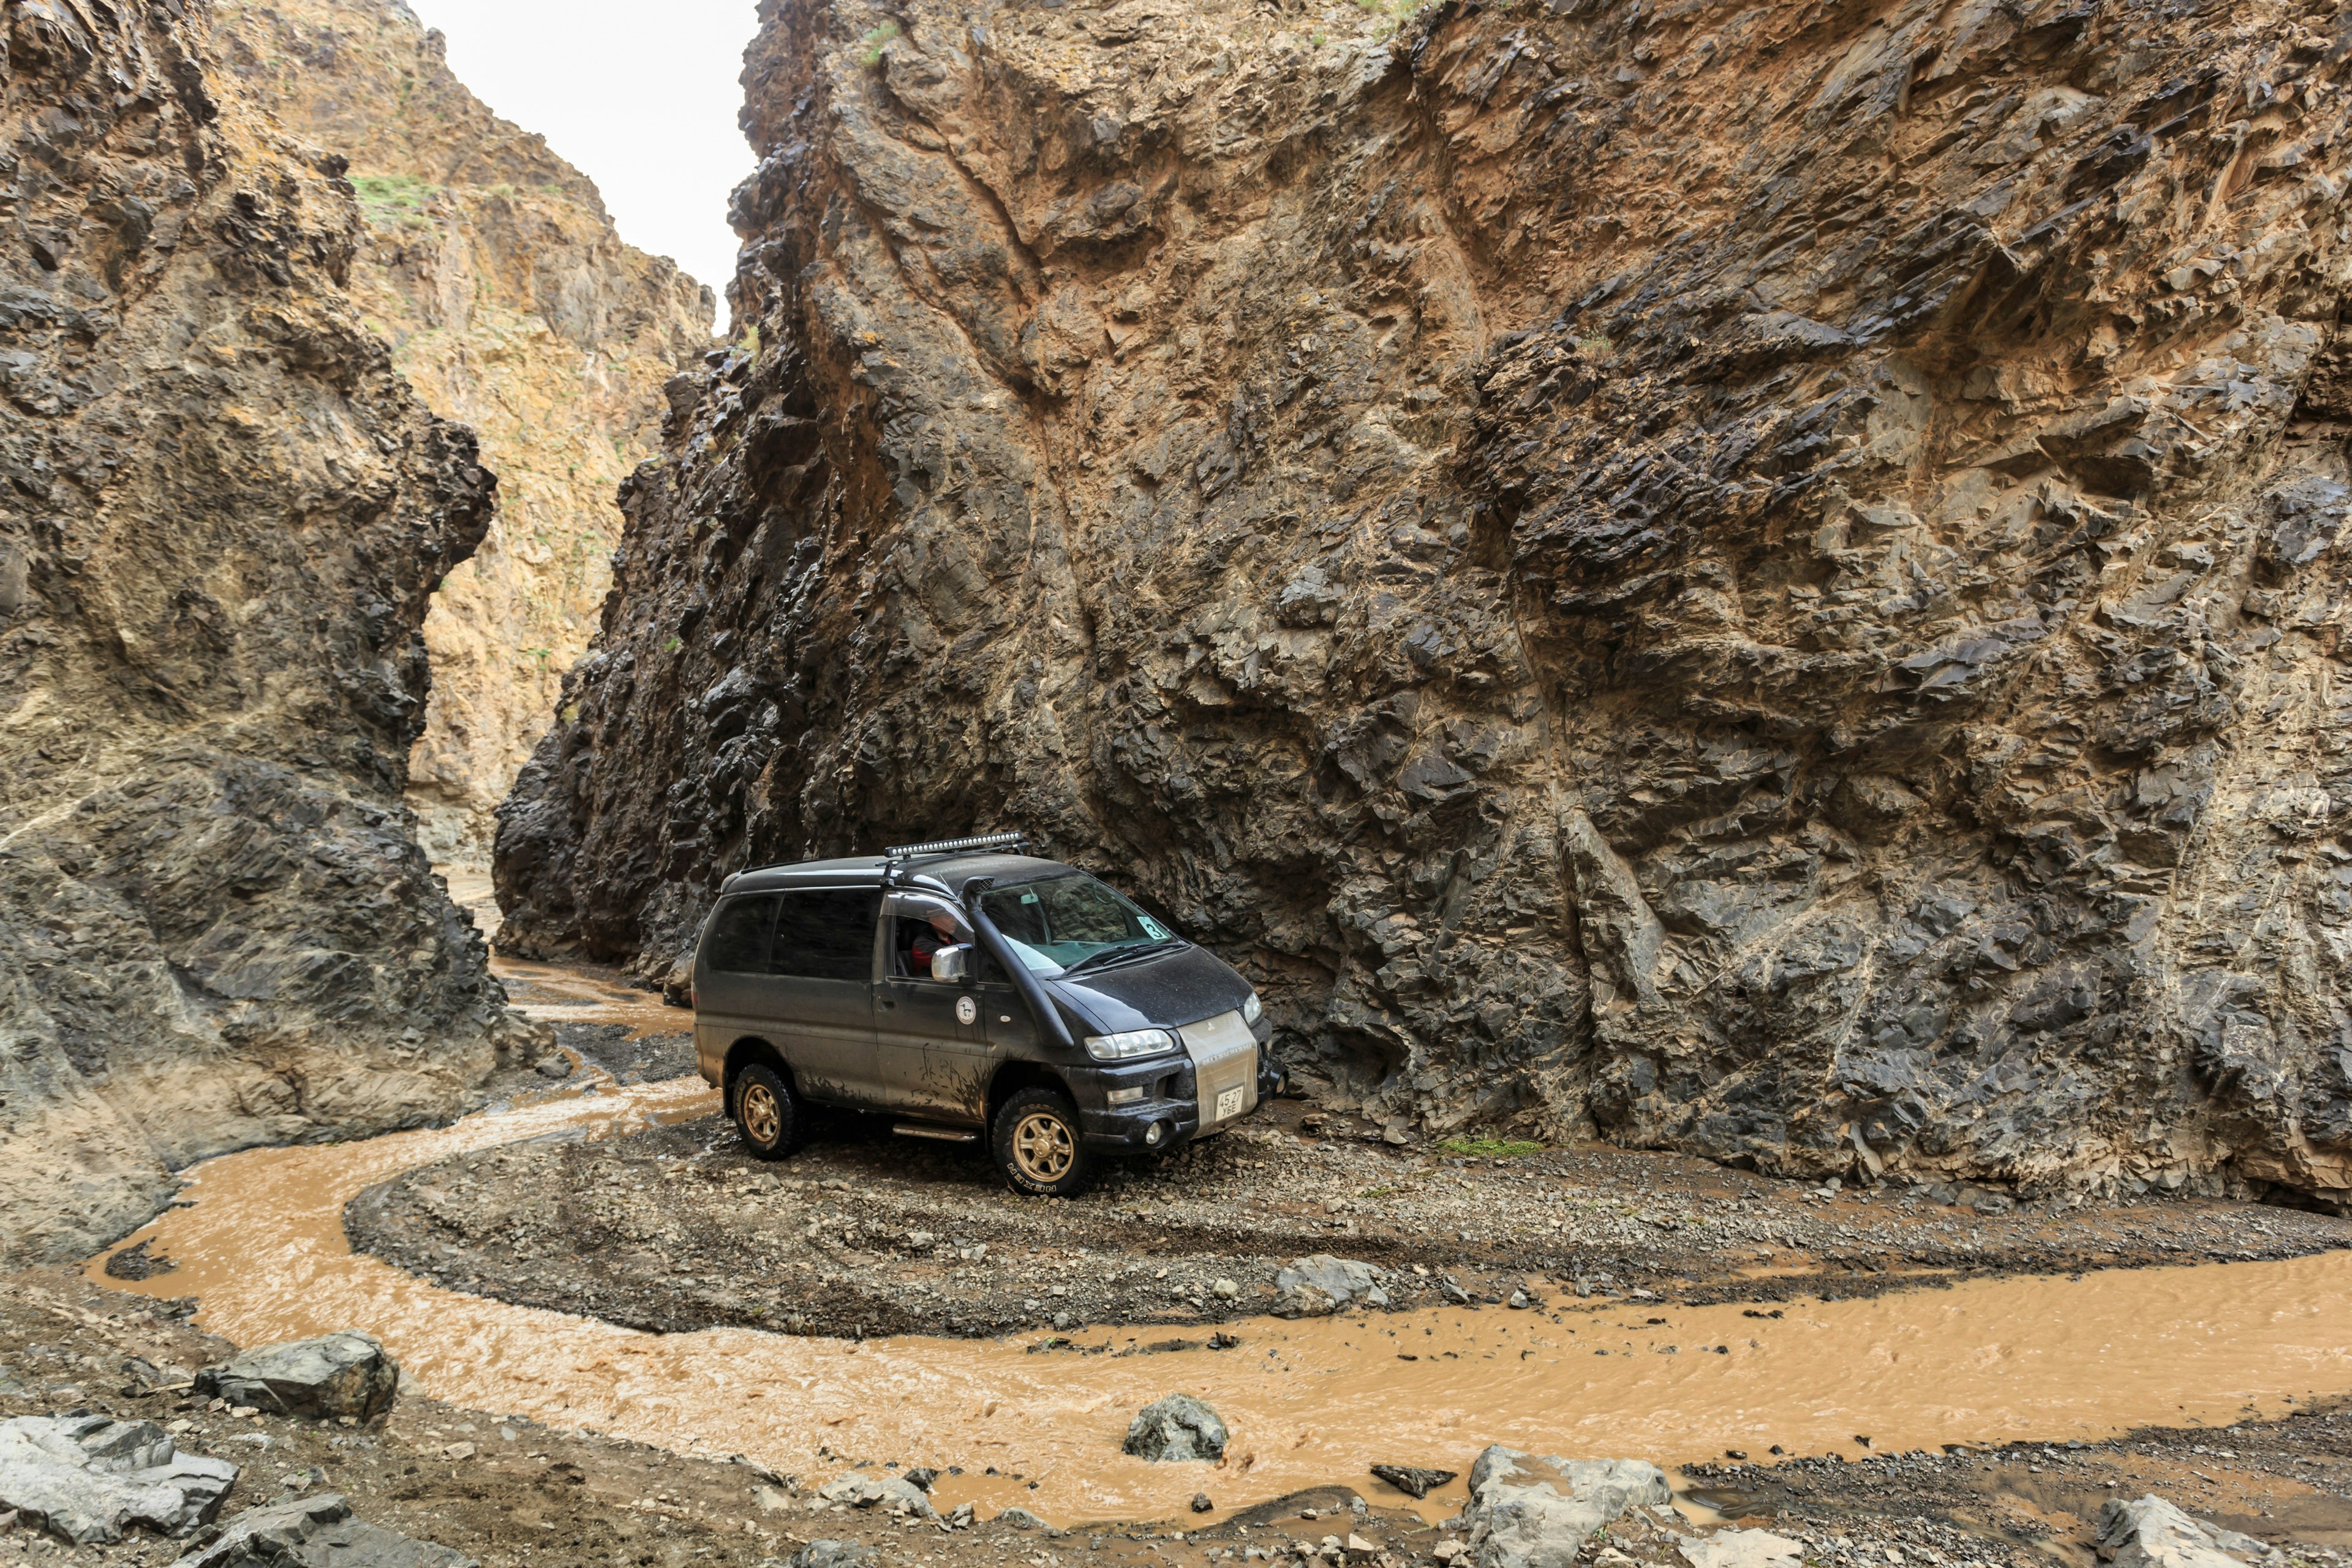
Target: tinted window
<point x="739" y="934"/>
<point x="826" y="933"/>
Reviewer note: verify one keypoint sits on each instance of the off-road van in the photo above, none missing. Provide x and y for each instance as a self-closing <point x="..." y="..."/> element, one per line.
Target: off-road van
<point x="970" y="991"/>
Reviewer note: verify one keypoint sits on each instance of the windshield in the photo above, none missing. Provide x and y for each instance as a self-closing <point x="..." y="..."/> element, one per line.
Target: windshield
<point x="1057" y="921"/>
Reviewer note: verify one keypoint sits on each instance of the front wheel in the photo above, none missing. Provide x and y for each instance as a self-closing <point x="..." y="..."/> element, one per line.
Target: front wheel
<point x="1036" y="1140"/>
<point x="766" y="1112"/>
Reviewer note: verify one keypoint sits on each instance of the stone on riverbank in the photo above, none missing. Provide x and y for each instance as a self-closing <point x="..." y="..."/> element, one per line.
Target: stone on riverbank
<point x="1319" y="1286"/>
<point x="1529" y="1510"/>
<point x="318" y="1532"/>
<point x="1412" y="1480"/>
<point x="1741" y="1549"/>
<point x="831" y="1555"/>
<point x="1176" y="1429"/>
<point x="888" y="1492"/>
<point x="342" y="1373"/>
<point x="2149" y="1532"/>
<point x="88" y="1479"/>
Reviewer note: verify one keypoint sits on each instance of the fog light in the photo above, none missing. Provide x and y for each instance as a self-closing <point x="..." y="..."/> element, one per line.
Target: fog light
<point x="1126" y="1095"/>
<point x="1159" y="1130"/>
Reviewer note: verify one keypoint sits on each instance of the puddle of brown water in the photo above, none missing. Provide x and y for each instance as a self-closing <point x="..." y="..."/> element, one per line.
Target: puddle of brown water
<point x="1309" y="1402"/>
<point x="554" y="995"/>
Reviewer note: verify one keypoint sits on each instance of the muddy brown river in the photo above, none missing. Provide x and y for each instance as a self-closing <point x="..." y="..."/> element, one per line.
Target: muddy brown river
<point x="1314" y="1402"/>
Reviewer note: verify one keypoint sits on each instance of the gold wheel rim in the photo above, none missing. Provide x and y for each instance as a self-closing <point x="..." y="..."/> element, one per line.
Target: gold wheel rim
<point x="1042" y="1147"/>
<point x="762" y="1117"/>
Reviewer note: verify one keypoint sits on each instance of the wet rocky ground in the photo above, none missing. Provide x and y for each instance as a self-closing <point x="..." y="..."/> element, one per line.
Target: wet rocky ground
<point x="510" y="1492"/>
<point x="863" y="1233"/>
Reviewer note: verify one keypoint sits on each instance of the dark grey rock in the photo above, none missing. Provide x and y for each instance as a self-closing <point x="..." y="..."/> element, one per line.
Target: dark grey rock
<point x="1556" y="740"/>
<point x="342" y="1373"/>
<point x="85" y="1478"/>
<point x="834" y="1555"/>
<point x="1022" y="1518"/>
<point x="1177" y="1427"/>
<point x="316" y="1532"/>
<point x="1412" y="1480"/>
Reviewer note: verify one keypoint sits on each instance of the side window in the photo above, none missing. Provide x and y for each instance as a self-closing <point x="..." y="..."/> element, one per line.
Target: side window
<point x="739" y="934"/>
<point x="826" y="933"/>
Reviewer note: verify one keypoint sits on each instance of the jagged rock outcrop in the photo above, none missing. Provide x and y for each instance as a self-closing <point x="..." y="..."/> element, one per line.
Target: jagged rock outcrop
<point x="1761" y="580"/>
<point x="511" y="305"/>
<point x="221" y="516"/>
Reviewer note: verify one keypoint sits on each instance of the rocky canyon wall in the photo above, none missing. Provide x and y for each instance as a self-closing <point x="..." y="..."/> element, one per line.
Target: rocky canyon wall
<point x="1756" y="579"/>
<point x="222" y="514"/>
<point x="490" y="267"/>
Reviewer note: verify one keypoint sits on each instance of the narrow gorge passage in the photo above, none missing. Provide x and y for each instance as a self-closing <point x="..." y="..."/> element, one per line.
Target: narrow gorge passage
<point x="261" y="1244"/>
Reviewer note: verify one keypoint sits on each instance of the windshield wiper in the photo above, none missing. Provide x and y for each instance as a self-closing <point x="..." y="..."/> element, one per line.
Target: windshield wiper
<point x="1134" y="951"/>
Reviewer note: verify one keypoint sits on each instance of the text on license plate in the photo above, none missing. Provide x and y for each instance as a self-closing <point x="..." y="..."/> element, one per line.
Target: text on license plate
<point x="1229" y="1104"/>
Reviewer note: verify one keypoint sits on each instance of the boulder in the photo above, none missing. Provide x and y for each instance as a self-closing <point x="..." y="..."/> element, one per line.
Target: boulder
<point x="831" y="1555"/>
<point x="1741" y="1549"/>
<point x="2149" y="1532"/>
<point x="1022" y="1518"/>
<point x="1175" y="1428"/>
<point x="342" y="1373"/>
<point x="888" y="1492"/>
<point x="85" y="1478"/>
<point x="1412" y="1480"/>
<point x="1529" y="1510"/>
<point x="316" y="1532"/>
<point x="1319" y="1286"/>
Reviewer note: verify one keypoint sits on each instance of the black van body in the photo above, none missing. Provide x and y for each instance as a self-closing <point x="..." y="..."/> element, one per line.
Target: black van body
<point x="889" y="985"/>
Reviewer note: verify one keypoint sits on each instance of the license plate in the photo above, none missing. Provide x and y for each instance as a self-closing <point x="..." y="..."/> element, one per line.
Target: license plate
<point x="1229" y="1104"/>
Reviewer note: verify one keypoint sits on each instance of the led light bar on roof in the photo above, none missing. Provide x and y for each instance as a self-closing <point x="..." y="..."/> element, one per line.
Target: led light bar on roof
<point x="957" y="845"/>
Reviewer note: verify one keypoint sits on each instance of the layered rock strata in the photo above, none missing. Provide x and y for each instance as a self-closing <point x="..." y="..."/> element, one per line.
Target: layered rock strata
<point x="492" y="269"/>
<point x="1761" y="580"/>
<point x="222" y="514"/>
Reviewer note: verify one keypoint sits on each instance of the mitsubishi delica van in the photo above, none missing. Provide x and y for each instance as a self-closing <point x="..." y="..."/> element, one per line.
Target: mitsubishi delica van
<point x="973" y="991"/>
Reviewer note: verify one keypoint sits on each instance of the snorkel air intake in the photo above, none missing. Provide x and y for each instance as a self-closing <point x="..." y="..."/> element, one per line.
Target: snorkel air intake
<point x="1041" y="1006"/>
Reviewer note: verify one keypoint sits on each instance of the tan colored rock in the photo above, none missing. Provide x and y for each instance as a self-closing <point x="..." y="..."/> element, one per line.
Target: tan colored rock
<point x="222" y="511"/>
<point x="490" y="267"/>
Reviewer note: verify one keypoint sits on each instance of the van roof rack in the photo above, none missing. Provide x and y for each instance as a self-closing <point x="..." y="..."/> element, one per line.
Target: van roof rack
<point x="956" y="845"/>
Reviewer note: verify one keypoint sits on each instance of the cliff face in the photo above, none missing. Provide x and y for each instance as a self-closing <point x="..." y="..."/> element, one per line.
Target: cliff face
<point x="222" y="515"/>
<point x="491" y="267"/>
<point x="1758" y="579"/>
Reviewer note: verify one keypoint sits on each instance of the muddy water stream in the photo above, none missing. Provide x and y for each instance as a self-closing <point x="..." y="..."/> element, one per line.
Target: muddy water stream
<point x="1309" y="1402"/>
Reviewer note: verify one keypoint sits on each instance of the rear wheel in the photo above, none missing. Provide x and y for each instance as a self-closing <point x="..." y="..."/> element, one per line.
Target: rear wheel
<point x="1035" y="1142"/>
<point x="767" y="1114"/>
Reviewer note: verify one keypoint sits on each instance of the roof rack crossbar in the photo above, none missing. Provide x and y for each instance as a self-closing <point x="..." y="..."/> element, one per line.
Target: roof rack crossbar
<point x="956" y="845"/>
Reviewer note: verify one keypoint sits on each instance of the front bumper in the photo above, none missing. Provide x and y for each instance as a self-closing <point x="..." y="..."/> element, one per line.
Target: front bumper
<point x="1172" y="1100"/>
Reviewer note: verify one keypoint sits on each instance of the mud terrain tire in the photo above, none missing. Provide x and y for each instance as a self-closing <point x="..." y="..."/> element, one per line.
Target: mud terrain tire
<point x="1035" y="1142"/>
<point x="767" y="1112"/>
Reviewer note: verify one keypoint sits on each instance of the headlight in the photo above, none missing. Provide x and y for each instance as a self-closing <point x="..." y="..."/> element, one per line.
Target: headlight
<point x="1253" y="1009"/>
<point x="1130" y="1045"/>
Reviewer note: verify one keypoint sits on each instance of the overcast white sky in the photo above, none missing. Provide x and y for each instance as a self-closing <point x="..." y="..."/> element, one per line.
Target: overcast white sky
<point x="640" y="95"/>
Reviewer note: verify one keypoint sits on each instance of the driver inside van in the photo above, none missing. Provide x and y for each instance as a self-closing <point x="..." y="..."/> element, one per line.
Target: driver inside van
<point x="943" y="931"/>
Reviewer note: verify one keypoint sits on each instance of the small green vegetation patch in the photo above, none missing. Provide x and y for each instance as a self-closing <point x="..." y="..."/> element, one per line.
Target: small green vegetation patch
<point x="871" y="44"/>
<point x="394" y="200"/>
<point x="1491" y="1148"/>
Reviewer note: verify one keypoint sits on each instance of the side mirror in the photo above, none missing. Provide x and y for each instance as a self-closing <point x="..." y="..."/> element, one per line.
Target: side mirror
<point x="952" y="962"/>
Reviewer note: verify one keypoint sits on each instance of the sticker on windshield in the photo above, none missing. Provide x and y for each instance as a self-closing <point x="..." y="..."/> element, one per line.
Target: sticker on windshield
<point x="1153" y="929"/>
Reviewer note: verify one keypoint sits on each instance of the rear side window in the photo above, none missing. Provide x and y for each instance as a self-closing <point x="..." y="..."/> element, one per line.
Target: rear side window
<point x="826" y="933"/>
<point x="739" y="934"/>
